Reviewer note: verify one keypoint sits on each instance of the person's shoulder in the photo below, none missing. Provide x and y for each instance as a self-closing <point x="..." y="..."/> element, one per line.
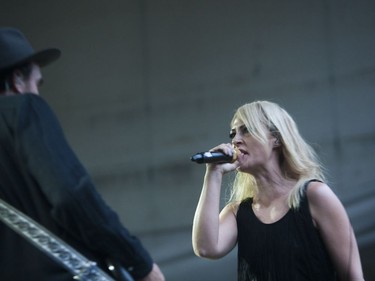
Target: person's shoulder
<point x="32" y="98"/>
<point x="320" y="195"/>
<point x="32" y="101"/>
<point x="12" y="102"/>
<point x="25" y="104"/>
<point x="19" y="99"/>
<point x="232" y="207"/>
<point x="317" y="190"/>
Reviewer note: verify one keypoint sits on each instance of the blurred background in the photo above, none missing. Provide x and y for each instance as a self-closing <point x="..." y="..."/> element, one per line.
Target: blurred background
<point x="143" y="85"/>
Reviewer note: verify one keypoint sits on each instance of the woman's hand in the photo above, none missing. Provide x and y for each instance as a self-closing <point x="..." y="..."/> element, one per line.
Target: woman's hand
<point x="227" y="149"/>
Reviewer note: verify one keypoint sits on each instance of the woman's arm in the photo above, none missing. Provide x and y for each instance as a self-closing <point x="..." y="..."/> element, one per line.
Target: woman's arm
<point x="214" y="233"/>
<point x="335" y="228"/>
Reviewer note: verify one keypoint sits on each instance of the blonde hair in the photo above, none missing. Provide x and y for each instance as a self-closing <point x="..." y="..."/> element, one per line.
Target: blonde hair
<point x="298" y="159"/>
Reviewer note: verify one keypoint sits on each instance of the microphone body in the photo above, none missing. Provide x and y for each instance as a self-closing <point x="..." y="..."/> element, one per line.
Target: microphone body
<point x="213" y="157"/>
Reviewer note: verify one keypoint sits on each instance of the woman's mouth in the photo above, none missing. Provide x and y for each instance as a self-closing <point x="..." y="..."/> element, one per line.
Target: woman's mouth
<point x="242" y="151"/>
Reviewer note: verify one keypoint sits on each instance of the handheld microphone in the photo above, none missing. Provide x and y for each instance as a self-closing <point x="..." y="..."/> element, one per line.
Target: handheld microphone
<point x="213" y="157"/>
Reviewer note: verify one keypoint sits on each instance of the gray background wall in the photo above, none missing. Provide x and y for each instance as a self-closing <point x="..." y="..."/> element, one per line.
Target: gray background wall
<point x="143" y="85"/>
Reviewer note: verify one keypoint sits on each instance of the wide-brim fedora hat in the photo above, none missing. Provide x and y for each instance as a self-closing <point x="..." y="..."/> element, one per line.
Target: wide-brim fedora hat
<point x="16" y="50"/>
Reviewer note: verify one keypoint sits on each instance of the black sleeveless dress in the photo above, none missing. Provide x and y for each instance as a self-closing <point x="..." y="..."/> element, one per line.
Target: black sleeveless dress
<point x="290" y="249"/>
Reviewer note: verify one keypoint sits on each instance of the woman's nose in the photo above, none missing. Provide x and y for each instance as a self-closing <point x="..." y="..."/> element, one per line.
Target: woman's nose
<point x="236" y="140"/>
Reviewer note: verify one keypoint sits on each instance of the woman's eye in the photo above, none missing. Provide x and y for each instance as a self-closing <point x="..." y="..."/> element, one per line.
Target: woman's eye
<point x="244" y="130"/>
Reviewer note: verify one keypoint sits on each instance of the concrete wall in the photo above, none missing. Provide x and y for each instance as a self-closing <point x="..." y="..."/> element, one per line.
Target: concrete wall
<point x="143" y="85"/>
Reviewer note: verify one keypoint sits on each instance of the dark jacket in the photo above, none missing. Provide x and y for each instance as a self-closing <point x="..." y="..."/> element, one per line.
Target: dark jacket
<point x="41" y="176"/>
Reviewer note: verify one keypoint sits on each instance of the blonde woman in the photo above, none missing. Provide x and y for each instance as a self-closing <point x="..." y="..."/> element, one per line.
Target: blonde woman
<point x="287" y="222"/>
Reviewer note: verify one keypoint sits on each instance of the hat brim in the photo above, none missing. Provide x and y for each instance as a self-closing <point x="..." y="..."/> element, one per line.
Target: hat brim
<point x="45" y="57"/>
<point x="42" y="58"/>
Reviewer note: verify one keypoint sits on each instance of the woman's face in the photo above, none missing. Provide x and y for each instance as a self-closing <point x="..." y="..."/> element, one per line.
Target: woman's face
<point x="254" y="155"/>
